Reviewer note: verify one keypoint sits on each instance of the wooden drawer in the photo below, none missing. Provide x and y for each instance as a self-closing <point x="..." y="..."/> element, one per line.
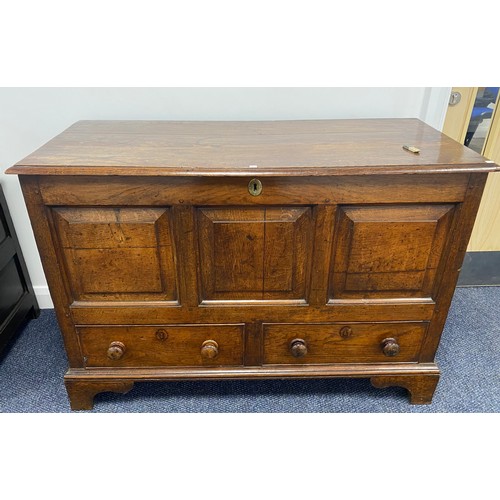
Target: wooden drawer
<point x="181" y="345"/>
<point x="342" y="342"/>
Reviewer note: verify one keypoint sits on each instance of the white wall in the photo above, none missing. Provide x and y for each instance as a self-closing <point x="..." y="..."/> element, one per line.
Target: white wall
<point x="29" y="117"/>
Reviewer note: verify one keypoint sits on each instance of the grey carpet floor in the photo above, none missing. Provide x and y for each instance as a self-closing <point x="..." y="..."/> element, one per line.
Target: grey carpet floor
<point x="32" y="369"/>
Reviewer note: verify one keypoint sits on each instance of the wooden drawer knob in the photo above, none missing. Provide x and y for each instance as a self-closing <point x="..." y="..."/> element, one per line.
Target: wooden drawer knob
<point x="116" y="350"/>
<point x="390" y="347"/>
<point x="209" y="349"/>
<point x="298" y="348"/>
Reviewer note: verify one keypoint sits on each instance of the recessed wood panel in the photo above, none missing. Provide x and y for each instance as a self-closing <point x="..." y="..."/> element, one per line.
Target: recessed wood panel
<point x="388" y="251"/>
<point x="117" y="253"/>
<point x="104" y="270"/>
<point x="254" y="253"/>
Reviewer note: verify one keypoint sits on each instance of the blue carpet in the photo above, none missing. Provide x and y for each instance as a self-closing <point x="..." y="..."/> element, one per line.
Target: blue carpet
<point x="31" y="376"/>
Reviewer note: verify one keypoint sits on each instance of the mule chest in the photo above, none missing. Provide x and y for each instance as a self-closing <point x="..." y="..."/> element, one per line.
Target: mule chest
<point x="213" y="250"/>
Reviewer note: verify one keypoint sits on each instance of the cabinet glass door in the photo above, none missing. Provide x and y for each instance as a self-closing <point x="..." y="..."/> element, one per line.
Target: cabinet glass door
<point x="480" y="118"/>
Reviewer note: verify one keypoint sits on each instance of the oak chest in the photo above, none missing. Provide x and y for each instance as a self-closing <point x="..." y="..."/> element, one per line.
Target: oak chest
<point x="212" y="250"/>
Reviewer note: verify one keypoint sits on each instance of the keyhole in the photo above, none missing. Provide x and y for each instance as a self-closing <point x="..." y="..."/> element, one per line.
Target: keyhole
<point x="255" y="187"/>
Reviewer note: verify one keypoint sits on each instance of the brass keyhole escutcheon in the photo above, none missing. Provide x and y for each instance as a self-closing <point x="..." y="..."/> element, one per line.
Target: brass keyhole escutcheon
<point x="255" y="187"/>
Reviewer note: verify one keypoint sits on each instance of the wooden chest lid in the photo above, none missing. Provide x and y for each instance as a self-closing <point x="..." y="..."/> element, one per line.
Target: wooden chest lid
<point x="265" y="148"/>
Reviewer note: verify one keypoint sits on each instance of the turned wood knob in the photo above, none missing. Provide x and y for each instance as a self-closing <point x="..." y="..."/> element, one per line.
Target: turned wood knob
<point x="116" y="350"/>
<point x="390" y="347"/>
<point x="298" y="348"/>
<point x="209" y="349"/>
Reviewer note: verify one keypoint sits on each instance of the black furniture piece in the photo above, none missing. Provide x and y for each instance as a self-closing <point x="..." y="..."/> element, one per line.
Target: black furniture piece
<point x="17" y="299"/>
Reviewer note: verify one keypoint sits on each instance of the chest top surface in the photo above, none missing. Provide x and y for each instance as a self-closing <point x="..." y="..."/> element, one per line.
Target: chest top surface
<point x="242" y="148"/>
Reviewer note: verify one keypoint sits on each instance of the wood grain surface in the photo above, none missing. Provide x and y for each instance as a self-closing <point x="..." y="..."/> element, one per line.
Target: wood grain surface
<point x="389" y="251"/>
<point x="302" y="147"/>
<point x="326" y="343"/>
<point x="178" y="345"/>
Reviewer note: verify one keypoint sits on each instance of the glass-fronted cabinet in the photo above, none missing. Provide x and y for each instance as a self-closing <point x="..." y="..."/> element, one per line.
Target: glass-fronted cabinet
<point x="480" y="118"/>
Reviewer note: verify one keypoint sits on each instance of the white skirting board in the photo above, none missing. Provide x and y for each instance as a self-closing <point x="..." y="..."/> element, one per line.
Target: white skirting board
<point x="43" y="297"/>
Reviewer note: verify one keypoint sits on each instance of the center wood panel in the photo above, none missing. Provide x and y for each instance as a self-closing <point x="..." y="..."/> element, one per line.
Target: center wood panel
<point x="254" y="253"/>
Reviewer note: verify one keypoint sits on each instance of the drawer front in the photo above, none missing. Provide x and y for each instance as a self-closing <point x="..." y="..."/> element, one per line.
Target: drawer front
<point x="342" y="342"/>
<point x="165" y="345"/>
